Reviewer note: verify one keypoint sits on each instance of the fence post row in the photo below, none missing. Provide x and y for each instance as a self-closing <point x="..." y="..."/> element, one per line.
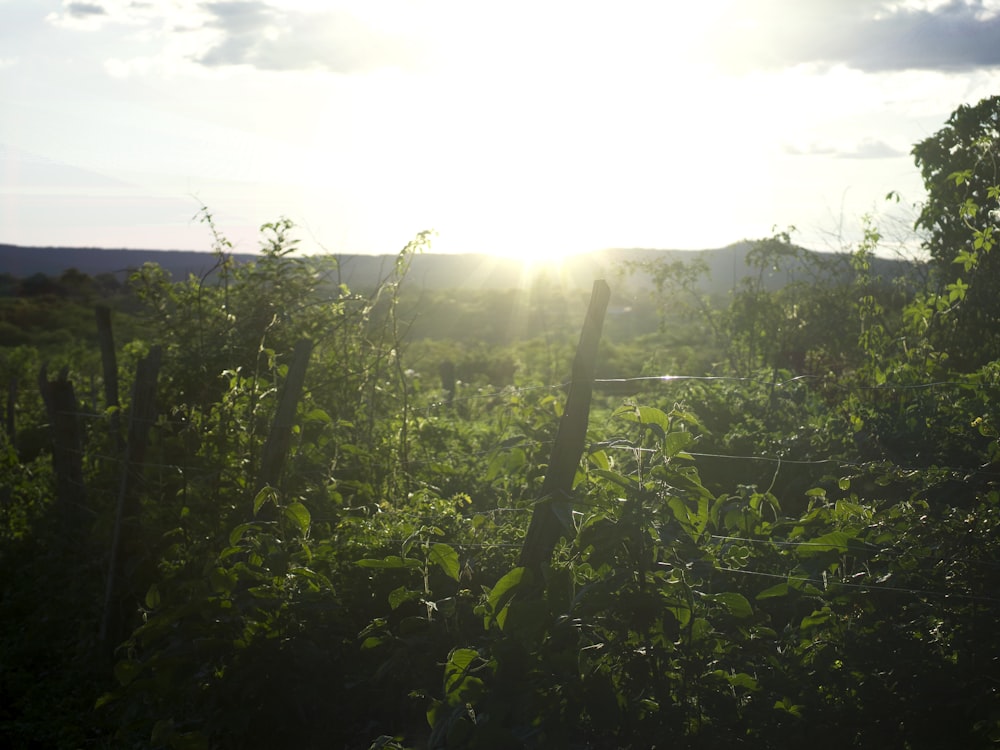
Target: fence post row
<point x="124" y="544"/>
<point x="61" y="408"/>
<point x="11" y="418"/>
<point x="551" y="514"/>
<point x="279" y="438"/>
<point x="109" y="364"/>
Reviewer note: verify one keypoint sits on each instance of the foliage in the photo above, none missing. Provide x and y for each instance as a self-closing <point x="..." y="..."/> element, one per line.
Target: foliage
<point x="960" y="172"/>
<point x="796" y="544"/>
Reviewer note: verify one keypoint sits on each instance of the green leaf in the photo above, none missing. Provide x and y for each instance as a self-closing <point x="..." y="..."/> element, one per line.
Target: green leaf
<point x="675" y="442"/>
<point x="389" y="562"/>
<point x="681" y="613"/>
<point x="222" y="580"/>
<point x="960" y="177"/>
<point x="318" y="415"/>
<point x="459" y="661"/>
<point x="402" y="595"/>
<point x="693" y="521"/>
<point x="126" y="671"/>
<point x="236" y="535"/>
<point x="740" y="679"/>
<point x="445" y="558"/>
<point x="688" y="417"/>
<point x="459" y="686"/>
<point x="817" y="618"/>
<point x="506" y="464"/>
<point x="788" y="705"/>
<point x="152" y="597"/>
<point x="298" y="514"/>
<point x="835" y="541"/>
<point x="600" y="460"/>
<point x="625" y="482"/>
<point x="773" y="592"/>
<point x="646" y="415"/>
<point x="737" y="604"/>
<point x="503" y="592"/>
<point x="434" y="714"/>
<point x="267" y="494"/>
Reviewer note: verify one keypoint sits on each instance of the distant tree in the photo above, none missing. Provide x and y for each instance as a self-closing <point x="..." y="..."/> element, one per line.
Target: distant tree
<point x="8" y="285"/>
<point x="37" y="285"/>
<point x="960" y="170"/>
<point x="76" y="284"/>
<point x="108" y="284"/>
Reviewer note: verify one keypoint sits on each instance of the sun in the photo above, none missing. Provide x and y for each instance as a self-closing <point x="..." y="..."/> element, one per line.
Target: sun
<point x="533" y="246"/>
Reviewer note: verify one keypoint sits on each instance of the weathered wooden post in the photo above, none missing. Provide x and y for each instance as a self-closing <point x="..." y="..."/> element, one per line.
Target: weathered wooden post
<point x="552" y="511"/>
<point x="125" y="537"/>
<point x="11" y="416"/>
<point x="110" y="369"/>
<point x="67" y="445"/>
<point x="279" y="438"/>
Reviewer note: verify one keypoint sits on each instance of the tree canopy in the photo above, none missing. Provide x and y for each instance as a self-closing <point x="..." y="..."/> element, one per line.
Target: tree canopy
<point x="960" y="169"/>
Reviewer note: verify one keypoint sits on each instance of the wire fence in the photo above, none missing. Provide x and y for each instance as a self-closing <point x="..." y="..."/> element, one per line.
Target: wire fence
<point x="498" y="395"/>
<point x="502" y="442"/>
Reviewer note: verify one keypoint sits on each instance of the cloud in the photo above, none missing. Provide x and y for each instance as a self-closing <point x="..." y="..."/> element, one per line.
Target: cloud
<point x="90" y="16"/>
<point x="86" y="16"/>
<point x="957" y="35"/>
<point x="258" y="34"/>
<point x="85" y="10"/>
<point x="869" y="148"/>
<point x="348" y="36"/>
<point x="953" y="37"/>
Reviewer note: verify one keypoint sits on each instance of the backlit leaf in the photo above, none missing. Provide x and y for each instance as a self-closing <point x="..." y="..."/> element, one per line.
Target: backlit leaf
<point x="780" y="589"/>
<point x="737" y="604"/>
<point x="446" y="558"/>
<point x="298" y="514"/>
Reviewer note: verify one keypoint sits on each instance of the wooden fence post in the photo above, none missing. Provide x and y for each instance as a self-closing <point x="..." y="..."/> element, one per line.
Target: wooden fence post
<point x="124" y="540"/>
<point x="67" y="445"/>
<point x="110" y="370"/>
<point x="11" y="415"/>
<point x="552" y="511"/>
<point x="279" y="438"/>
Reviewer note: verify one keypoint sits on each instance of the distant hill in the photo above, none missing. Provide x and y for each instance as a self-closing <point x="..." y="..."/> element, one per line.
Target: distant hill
<point x="23" y="262"/>
<point x="727" y="266"/>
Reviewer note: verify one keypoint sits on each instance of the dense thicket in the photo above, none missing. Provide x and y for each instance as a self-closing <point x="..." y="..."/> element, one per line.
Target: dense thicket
<point x="791" y="540"/>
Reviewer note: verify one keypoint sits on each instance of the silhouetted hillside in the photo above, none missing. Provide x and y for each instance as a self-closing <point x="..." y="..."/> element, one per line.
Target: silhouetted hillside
<point x="727" y="266"/>
<point x="52" y="261"/>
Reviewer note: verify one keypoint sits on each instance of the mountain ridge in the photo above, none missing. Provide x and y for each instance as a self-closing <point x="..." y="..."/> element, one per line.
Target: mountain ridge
<point x="727" y="266"/>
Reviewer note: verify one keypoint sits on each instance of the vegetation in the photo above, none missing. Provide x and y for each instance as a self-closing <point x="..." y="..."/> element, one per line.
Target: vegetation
<point x="315" y="540"/>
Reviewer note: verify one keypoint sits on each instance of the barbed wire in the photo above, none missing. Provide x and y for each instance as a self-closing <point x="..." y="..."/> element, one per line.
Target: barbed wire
<point x="826" y="584"/>
<point x="503" y="441"/>
<point x="510" y="390"/>
<point x="791" y="544"/>
<point x="774" y="383"/>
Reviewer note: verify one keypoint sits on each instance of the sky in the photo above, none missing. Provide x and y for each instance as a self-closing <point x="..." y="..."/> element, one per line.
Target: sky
<point x="529" y="129"/>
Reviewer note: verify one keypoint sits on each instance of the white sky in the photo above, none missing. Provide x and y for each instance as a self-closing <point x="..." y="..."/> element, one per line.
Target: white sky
<point x="513" y="127"/>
